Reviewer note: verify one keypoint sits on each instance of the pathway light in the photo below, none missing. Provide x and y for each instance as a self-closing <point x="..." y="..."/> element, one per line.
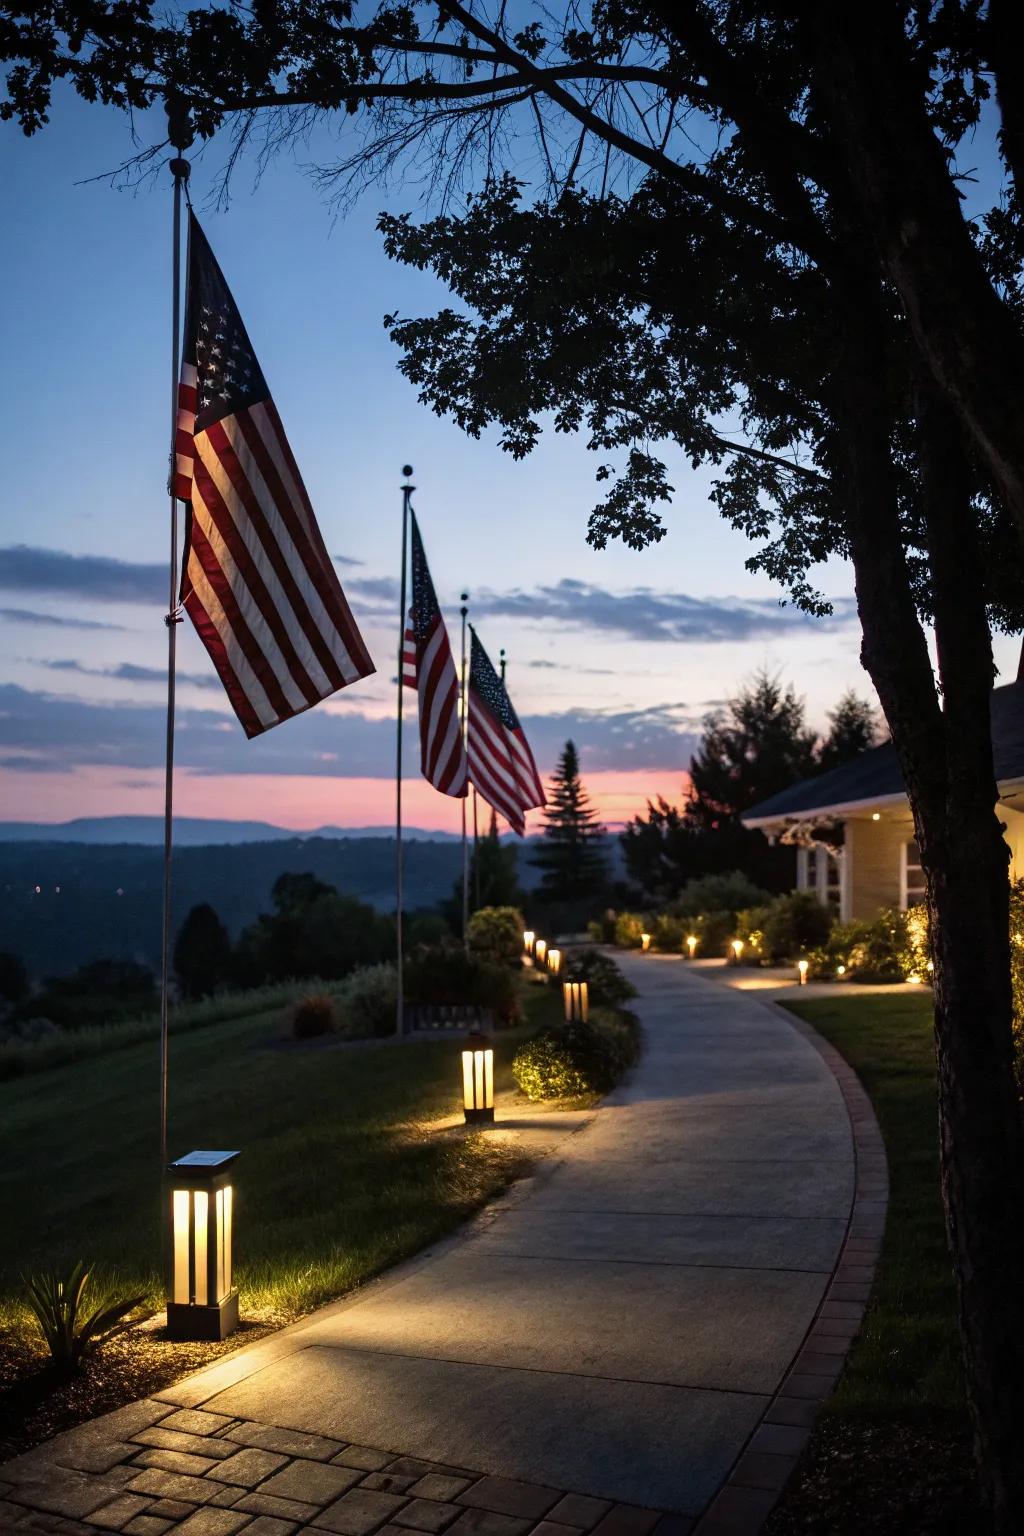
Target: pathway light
<point x="202" y="1302"/>
<point x="577" y="1002"/>
<point x="691" y="944"/>
<point x="645" y="941"/>
<point x="478" y="1079"/>
<point x="801" y="966"/>
<point x="554" y="961"/>
<point x="540" y="950"/>
<point x="737" y="950"/>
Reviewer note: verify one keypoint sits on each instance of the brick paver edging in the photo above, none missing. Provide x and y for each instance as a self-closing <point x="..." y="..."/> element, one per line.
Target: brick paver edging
<point x="756" y="1483"/>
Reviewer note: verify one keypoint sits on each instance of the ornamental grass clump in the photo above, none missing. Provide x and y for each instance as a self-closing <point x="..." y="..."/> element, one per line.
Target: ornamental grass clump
<point x="312" y="1016"/>
<point x="55" y="1298"/>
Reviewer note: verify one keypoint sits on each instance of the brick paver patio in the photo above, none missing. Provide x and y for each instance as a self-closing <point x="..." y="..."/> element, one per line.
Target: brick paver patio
<point x="636" y="1340"/>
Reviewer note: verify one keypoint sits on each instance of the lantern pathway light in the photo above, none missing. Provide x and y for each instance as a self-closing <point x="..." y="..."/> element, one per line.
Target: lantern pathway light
<point x="554" y="961"/>
<point x="478" y="1080"/>
<point x="840" y="970"/>
<point x="645" y="941"/>
<point x="540" y="950"/>
<point x="801" y="966"/>
<point x="528" y="938"/>
<point x="202" y="1302"/>
<point x="691" y="944"/>
<point x="737" y="950"/>
<point x="577" y="1001"/>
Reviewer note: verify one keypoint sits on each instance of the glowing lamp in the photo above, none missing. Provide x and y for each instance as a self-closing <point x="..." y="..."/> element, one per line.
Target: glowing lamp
<point x="528" y="938"/>
<point x="915" y="981"/>
<point x="202" y="1303"/>
<point x="645" y="941"/>
<point x="577" y="1003"/>
<point x="876" y="816"/>
<point x="540" y="950"/>
<point x="840" y="970"/>
<point x="737" y="950"/>
<point x="691" y="944"/>
<point x="554" y="961"/>
<point x="478" y="1080"/>
<point x="801" y="966"/>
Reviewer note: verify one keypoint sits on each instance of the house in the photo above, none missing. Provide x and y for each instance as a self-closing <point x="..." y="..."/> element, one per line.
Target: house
<point x="853" y="830"/>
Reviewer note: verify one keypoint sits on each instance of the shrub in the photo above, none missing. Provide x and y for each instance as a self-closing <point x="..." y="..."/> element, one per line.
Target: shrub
<point x="574" y="1059"/>
<point x="368" y="1002"/>
<point x="443" y="974"/>
<point x="312" y="1015"/>
<point x="668" y="933"/>
<point x="605" y="982"/>
<point x="496" y="934"/>
<point x="714" y="930"/>
<point x="628" y="928"/>
<point x="602" y="929"/>
<point x="56" y="1300"/>
<point x="794" y="924"/>
<point x="750" y="925"/>
<point x="719" y="893"/>
<point x="876" y="955"/>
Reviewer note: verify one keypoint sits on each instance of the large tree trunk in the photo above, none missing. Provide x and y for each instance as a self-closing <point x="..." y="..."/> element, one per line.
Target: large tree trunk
<point x="946" y="758"/>
<point x="969" y="339"/>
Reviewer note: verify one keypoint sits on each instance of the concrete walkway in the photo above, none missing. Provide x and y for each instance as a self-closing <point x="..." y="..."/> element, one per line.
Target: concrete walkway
<point x="617" y="1326"/>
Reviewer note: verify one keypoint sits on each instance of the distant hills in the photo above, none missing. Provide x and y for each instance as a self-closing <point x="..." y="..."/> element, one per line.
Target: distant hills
<point x="189" y="831"/>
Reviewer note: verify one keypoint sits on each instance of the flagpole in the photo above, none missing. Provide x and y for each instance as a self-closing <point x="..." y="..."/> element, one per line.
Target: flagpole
<point x="476" y="855"/>
<point x="462" y="718"/>
<point x="407" y="490"/>
<point x="180" y="135"/>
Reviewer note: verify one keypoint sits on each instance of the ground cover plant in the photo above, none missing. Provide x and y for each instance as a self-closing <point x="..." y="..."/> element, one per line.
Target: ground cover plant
<point x="892" y="1450"/>
<point x="343" y="1172"/>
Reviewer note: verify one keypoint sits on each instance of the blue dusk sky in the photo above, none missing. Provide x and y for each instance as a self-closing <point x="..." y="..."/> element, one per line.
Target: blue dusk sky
<point x="623" y="651"/>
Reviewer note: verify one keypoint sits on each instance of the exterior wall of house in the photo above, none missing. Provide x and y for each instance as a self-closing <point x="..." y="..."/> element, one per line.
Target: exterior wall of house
<point x="1014" y="835"/>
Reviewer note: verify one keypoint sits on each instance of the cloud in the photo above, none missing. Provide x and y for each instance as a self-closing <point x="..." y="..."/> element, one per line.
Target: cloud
<point x="57" y="620"/>
<point x="645" y="614"/>
<point x="131" y="672"/>
<point x="346" y="560"/>
<point x="60" y="732"/>
<point x="96" y="577"/>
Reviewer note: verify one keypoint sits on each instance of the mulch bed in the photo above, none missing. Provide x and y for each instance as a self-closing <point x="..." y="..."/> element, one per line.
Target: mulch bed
<point x="871" y="1480"/>
<point x="35" y="1405"/>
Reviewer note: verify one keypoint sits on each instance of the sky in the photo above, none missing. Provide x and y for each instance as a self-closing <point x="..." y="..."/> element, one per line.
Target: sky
<point x="623" y="651"/>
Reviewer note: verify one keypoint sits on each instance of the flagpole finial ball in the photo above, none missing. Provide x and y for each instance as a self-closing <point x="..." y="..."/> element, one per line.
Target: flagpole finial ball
<point x="180" y="169"/>
<point x="407" y="470"/>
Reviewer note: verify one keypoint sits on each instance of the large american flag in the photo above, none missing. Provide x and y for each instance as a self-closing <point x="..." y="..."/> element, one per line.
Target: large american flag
<point x="257" y="581"/>
<point x="501" y="765"/>
<point x="429" y="667"/>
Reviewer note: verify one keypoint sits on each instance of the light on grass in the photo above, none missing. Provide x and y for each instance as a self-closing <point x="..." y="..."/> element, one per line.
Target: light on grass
<point x="202" y="1302"/>
<point x="737" y="950"/>
<point x="691" y="944"/>
<point x="577" y="1002"/>
<point x="554" y="961"/>
<point x="802" y="966"/>
<point x="478" y="1080"/>
<point x="645" y="941"/>
<point x="540" y="950"/>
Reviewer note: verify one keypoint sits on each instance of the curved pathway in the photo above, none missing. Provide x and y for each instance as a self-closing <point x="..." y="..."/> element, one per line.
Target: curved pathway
<point x="617" y="1326"/>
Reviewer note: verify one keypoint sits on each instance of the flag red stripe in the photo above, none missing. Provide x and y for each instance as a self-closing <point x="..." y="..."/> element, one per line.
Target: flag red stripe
<point x="208" y="493"/>
<point x="221" y="444"/>
<point x="209" y="635"/>
<point x="254" y="654"/>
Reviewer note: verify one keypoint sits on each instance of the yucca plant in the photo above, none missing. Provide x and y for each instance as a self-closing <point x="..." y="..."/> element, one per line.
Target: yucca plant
<point x="56" y="1300"/>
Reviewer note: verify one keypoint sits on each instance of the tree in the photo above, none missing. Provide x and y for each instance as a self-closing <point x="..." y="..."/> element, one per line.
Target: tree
<point x="202" y="953"/>
<point x="752" y="216"/>
<point x="13" y="977"/>
<point x="755" y="746"/>
<point x="313" y="931"/>
<point x="571" y="858"/>
<point x="853" y="729"/>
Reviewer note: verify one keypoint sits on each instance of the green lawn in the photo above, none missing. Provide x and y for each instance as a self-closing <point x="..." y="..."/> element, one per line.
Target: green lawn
<point x="339" y="1174"/>
<point x="907" y="1359"/>
<point x="891" y="1452"/>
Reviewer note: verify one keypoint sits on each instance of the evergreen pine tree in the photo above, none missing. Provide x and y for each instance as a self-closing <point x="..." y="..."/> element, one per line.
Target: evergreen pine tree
<point x="572" y="859"/>
<point x="853" y="729"/>
<point x="202" y="953"/>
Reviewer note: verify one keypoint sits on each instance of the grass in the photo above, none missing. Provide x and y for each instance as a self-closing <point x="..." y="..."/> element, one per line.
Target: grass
<point x="18" y="1057"/>
<point x="892" y="1450"/>
<point x="340" y="1172"/>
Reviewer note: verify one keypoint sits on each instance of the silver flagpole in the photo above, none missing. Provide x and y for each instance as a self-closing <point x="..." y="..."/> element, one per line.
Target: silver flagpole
<point x="407" y="490"/>
<point x="462" y="719"/>
<point x="180" y="135"/>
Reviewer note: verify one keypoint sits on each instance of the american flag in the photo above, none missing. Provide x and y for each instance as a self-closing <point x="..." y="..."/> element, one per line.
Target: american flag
<point x="501" y="765"/>
<point x="429" y="667"/>
<point x="257" y="581"/>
